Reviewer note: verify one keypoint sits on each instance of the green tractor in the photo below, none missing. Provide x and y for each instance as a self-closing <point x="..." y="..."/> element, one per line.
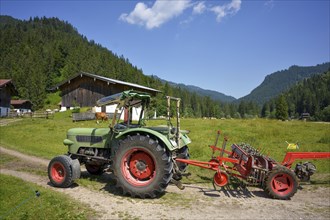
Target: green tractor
<point x="141" y="158"/>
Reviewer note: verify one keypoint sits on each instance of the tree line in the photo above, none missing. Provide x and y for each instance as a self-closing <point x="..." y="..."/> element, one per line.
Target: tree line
<point x="310" y="96"/>
<point x="41" y="52"/>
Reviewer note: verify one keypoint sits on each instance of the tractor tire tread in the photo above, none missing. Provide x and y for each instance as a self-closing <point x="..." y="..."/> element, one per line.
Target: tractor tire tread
<point x="163" y="162"/>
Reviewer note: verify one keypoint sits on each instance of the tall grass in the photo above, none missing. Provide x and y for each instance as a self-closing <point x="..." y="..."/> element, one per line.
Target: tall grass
<point x="41" y="137"/>
<point x="269" y="136"/>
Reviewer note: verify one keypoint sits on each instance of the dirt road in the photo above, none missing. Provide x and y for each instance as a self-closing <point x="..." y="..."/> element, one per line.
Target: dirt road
<point x="195" y="202"/>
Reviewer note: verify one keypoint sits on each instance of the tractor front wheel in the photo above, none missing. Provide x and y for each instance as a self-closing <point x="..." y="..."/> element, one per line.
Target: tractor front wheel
<point x="281" y="183"/>
<point x="60" y="171"/>
<point x="142" y="167"/>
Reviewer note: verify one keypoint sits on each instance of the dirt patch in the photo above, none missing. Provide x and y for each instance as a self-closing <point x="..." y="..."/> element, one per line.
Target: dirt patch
<point x="28" y="158"/>
<point x="195" y="202"/>
<point x="4" y="122"/>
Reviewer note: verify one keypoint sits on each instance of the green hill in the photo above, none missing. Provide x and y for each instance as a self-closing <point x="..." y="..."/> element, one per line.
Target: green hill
<point x="281" y="81"/>
<point x="311" y="96"/>
<point x="41" y="52"/>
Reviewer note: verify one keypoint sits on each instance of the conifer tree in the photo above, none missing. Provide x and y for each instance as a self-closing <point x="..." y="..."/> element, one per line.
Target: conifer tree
<point x="281" y="108"/>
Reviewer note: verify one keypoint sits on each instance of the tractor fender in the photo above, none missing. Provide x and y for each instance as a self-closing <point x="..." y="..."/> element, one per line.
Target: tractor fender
<point x="156" y="134"/>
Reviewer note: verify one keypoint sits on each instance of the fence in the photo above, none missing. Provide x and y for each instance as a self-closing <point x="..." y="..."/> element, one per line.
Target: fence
<point x="83" y="116"/>
<point x="12" y="114"/>
<point x="46" y="115"/>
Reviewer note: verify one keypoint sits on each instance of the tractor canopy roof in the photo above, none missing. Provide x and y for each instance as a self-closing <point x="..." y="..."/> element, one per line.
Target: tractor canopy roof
<point x="126" y="98"/>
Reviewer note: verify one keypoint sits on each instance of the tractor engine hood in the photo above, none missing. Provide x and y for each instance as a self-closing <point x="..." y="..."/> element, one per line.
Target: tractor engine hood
<point x="88" y="131"/>
<point x="88" y="136"/>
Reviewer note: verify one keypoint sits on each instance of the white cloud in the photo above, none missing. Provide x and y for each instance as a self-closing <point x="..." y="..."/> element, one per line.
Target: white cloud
<point x="269" y="4"/>
<point x="155" y="16"/>
<point x="187" y="21"/>
<point x="164" y="10"/>
<point x="199" y="8"/>
<point x="228" y="9"/>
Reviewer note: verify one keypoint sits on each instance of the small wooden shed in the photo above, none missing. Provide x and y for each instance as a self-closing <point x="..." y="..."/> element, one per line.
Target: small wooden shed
<point x="84" y="89"/>
<point x="7" y="90"/>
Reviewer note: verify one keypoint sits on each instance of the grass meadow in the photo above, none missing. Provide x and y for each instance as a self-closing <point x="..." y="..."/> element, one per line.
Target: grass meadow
<point x="19" y="200"/>
<point x="43" y="137"/>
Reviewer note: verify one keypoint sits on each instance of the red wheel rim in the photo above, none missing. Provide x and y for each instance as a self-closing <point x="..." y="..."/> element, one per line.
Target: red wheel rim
<point x="282" y="184"/>
<point x="58" y="172"/>
<point x="138" y="167"/>
<point x="220" y="179"/>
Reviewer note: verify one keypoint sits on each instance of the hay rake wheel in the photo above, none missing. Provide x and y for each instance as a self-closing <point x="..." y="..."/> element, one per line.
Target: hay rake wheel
<point x="281" y="183"/>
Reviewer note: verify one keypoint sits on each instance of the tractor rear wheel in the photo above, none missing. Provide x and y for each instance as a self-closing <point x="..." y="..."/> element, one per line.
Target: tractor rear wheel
<point x="281" y="183"/>
<point x="142" y="167"/>
<point x="60" y="171"/>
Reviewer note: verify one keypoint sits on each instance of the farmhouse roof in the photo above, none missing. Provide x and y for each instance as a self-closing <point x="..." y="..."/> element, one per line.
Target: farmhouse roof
<point x="8" y="82"/>
<point x="4" y="82"/>
<point x="105" y="79"/>
<point x="18" y="102"/>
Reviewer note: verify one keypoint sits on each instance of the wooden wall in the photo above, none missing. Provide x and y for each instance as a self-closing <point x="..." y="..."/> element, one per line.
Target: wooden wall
<point x="5" y="96"/>
<point x="84" y="91"/>
<point x="6" y="91"/>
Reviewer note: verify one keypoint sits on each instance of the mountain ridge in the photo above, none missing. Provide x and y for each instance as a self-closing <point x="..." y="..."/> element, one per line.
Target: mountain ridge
<point x="215" y="95"/>
<point x="280" y="81"/>
<point x="272" y="85"/>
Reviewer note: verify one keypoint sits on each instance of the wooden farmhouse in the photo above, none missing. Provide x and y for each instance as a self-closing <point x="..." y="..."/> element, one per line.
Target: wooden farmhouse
<point x="84" y="89"/>
<point x="21" y="106"/>
<point x="7" y="90"/>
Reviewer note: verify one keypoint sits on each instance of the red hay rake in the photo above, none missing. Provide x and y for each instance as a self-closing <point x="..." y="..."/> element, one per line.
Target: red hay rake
<point x="248" y="164"/>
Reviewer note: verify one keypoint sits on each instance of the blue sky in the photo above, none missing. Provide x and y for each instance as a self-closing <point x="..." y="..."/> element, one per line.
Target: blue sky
<point x="228" y="46"/>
